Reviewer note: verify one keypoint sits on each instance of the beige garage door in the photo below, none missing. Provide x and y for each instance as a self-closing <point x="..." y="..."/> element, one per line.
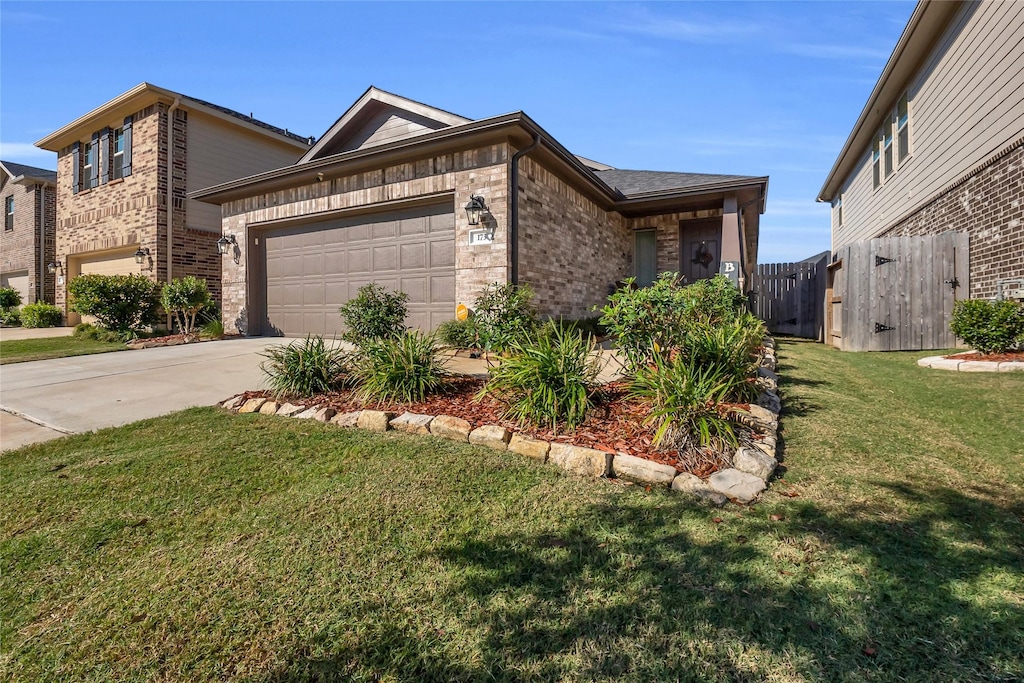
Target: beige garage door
<point x="310" y="271"/>
<point x="19" y="281"/>
<point x="122" y="263"/>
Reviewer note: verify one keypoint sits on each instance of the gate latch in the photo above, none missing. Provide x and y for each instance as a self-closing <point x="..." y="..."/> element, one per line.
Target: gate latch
<point x="953" y="284"/>
<point x="879" y="327"/>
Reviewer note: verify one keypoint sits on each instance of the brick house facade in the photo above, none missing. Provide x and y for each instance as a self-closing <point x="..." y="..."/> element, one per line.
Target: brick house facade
<point x="551" y="220"/>
<point x="114" y="170"/>
<point x="28" y="196"/>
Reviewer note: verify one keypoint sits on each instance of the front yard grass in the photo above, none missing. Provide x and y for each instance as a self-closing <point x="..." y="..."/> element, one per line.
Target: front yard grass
<point x="209" y="546"/>
<point x="21" y="350"/>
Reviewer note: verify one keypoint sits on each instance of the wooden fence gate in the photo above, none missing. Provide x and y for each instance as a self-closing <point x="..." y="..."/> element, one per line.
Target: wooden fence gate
<point x="790" y="297"/>
<point x="896" y="293"/>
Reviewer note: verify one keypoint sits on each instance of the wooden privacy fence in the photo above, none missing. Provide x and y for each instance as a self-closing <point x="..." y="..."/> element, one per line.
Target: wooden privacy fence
<point x="790" y="297"/>
<point x="896" y="293"/>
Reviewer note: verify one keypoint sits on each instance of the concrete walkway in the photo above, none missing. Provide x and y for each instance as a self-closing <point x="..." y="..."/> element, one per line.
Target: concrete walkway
<point x="13" y="333"/>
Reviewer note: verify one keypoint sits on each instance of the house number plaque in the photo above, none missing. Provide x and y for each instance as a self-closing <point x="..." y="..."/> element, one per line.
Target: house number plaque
<point x="480" y="237"/>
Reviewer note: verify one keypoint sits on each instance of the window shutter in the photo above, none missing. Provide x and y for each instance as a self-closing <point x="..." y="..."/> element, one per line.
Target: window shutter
<point x="105" y="155"/>
<point x="76" y="167"/>
<point x="127" y="162"/>
<point x="95" y="174"/>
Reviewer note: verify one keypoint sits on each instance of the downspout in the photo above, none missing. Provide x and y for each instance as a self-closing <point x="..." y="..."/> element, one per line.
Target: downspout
<point x="41" y="279"/>
<point x="170" y="196"/>
<point x="513" y="223"/>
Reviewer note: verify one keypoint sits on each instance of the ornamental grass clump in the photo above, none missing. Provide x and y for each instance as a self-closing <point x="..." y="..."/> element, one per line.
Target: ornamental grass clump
<point x="688" y="402"/>
<point x="305" y="367"/>
<point x="732" y="346"/>
<point x="405" y="369"/>
<point x="549" y="378"/>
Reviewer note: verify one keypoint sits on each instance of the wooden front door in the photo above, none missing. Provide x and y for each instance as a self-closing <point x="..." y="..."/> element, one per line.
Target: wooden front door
<point x="700" y="243"/>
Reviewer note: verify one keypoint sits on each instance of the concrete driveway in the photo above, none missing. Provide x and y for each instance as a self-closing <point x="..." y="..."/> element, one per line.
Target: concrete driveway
<point x="46" y="399"/>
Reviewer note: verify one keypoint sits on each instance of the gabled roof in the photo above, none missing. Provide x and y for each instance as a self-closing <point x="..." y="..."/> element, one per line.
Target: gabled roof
<point x="30" y="173"/>
<point x="371" y="103"/>
<point x="923" y="30"/>
<point x="145" y="94"/>
<point x="638" y="183"/>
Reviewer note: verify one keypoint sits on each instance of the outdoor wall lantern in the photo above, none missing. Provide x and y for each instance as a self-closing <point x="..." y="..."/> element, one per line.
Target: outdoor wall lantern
<point x="51" y="268"/>
<point x="228" y="244"/>
<point x="475" y="208"/>
<point x="141" y="254"/>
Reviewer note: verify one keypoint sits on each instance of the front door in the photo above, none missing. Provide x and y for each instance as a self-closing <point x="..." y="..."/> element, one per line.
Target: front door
<point x="700" y="241"/>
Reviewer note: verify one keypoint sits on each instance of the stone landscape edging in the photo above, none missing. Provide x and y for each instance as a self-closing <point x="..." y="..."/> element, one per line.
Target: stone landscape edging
<point x="956" y="365"/>
<point x="753" y="465"/>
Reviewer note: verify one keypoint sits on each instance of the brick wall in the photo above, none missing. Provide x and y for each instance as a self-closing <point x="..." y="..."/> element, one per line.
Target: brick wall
<point x="19" y="247"/>
<point x="988" y="205"/>
<point x="482" y="172"/>
<point x="571" y="251"/>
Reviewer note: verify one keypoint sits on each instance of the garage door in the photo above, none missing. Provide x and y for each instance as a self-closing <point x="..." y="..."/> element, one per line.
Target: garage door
<point x="310" y="271"/>
<point x="109" y="264"/>
<point x="19" y="281"/>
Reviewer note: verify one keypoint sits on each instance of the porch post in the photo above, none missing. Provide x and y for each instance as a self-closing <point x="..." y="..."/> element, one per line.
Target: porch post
<point x="731" y="238"/>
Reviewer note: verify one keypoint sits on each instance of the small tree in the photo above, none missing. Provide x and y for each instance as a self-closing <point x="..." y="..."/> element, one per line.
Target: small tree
<point x="122" y="303"/>
<point x="375" y="313"/>
<point x="184" y="299"/>
<point x="9" y="298"/>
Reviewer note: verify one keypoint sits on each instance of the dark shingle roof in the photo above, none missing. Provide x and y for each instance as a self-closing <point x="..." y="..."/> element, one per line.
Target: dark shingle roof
<point x="17" y="170"/>
<point x="641" y="182"/>
<point x="249" y="119"/>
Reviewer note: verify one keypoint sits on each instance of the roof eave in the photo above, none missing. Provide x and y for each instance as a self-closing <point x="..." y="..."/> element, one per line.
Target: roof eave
<point x="922" y="31"/>
<point x="635" y="202"/>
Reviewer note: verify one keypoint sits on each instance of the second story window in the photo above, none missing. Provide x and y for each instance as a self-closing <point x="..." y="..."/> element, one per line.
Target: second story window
<point x="88" y="164"/>
<point x="117" y="153"/>
<point x="892" y="143"/>
<point x="876" y="161"/>
<point x="9" y="213"/>
<point x="903" y="127"/>
<point x="887" y="150"/>
<point x="837" y="211"/>
<point x="108" y="156"/>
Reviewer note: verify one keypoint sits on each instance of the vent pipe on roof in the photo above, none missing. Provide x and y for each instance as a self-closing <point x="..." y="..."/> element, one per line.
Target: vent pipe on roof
<point x="513" y="223"/>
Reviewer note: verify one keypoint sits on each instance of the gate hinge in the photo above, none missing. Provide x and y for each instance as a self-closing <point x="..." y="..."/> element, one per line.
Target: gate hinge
<point x="881" y="260"/>
<point x="790" y="321"/>
<point x="879" y="327"/>
<point x="792" y="276"/>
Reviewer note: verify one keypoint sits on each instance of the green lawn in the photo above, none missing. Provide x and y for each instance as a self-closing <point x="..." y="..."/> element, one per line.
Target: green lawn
<point x="20" y="350"/>
<point x="209" y="546"/>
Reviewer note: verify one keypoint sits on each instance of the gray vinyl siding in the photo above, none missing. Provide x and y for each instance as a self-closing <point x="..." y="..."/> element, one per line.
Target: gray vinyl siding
<point x="219" y="152"/>
<point x="966" y="104"/>
<point x="389" y="125"/>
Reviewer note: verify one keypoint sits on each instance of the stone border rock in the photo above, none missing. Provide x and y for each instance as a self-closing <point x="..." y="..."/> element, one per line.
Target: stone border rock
<point x="753" y="465"/>
<point x="943" y="363"/>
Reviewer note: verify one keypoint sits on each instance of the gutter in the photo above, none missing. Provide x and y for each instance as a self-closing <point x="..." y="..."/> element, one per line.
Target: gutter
<point x="170" y="190"/>
<point x="513" y="225"/>
<point x="41" y="289"/>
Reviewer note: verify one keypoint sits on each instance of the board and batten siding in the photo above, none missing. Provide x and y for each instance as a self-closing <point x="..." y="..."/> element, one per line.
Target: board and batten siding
<point x="966" y="104"/>
<point x="390" y="125"/>
<point x="219" y="152"/>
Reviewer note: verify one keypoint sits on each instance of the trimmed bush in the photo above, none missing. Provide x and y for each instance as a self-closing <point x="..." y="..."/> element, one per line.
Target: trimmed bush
<point x="305" y="367"/>
<point x="504" y="314"/>
<point x="10" y="317"/>
<point x="687" y="400"/>
<point x="458" y="334"/>
<point x="9" y="298"/>
<point x="713" y="301"/>
<point x="184" y="298"/>
<point x="647" y="321"/>
<point x="549" y="379"/>
<point x="124" y="303"/>
<point x="405" y="369"/>
<point x="41" y="315"/>
<point x="989" y="326"/>
<point x="375" y="313"/>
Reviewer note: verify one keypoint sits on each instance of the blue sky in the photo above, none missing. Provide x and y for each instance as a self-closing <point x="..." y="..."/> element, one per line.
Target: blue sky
<point x="749" y="88"/>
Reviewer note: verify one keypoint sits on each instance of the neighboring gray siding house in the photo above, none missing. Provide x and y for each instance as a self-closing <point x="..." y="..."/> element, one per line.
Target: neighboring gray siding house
<point x="381" y="198"/>
<point x="939" y="146"/>
<point x="28" y="195"/>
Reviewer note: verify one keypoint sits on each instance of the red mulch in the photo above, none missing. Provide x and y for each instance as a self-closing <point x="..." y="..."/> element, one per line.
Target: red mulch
<point x="616" y="424"/>
<point x="991" y="357"/>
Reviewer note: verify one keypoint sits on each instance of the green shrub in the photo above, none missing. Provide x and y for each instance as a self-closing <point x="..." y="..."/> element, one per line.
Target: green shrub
<point x="687" y="400"/>
<point x="647" y="321"/>
<point x="732" y="345"/>
<point x="305" y="367"/>
<point x="9" y="298"/>
<point x="458" y="334"/>
<point x="549" y="378"/>
<point x="10" y="317"/>
<point x="405" y="369"/>
<point x="989" y="326"/>
<point x="713" y="301"/>
<point x="124" y="303"/>
<point x="90" y="331"/>
<point x="375" y="313"/>
<point x="41" y="315"/>
<point x="184" y="298"/>
<point x="504" y="314"/>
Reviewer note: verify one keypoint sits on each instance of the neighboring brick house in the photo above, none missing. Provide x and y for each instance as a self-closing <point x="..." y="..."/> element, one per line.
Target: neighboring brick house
<point x="939" y="146"/>
<point x="27" y="243"/>
<point x="384" y="196"/>
<point x="114" y="192"/>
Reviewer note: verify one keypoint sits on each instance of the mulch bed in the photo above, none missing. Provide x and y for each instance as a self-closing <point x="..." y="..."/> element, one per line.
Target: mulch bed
<point x="991" y="357"/>
<point x="616" y="424"/>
